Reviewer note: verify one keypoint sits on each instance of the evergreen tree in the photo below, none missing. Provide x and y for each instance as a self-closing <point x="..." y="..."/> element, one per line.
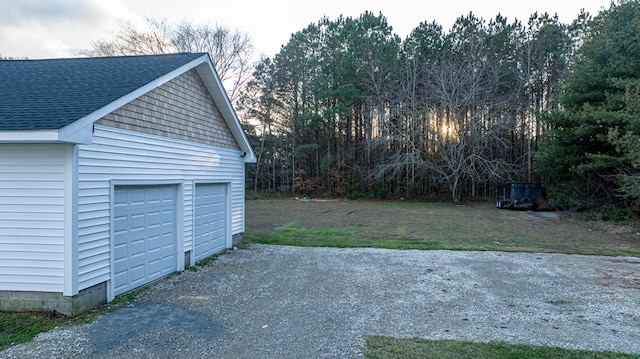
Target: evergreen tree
<point x="589" y="148"/>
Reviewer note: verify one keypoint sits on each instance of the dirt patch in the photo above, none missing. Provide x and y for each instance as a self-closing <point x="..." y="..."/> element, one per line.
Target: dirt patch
<point x="543" y="215"/>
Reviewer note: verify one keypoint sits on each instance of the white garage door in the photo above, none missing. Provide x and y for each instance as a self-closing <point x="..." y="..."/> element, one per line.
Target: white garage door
<point x="144" y="235"/>
<point x="210" y="219"/>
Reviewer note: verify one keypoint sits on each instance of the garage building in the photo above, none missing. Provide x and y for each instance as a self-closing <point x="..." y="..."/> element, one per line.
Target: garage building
<point x="114" y="172"/>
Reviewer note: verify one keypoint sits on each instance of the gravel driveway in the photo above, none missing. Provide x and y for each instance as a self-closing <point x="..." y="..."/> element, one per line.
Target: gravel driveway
<point x="290" y="302"/>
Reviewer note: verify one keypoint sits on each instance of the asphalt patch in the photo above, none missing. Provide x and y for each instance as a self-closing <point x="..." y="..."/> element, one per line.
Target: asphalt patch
<point x="139" y="318"/>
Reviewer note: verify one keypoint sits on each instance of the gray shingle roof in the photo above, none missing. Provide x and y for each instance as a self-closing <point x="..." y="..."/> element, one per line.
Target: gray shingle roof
<point x="50" y="94"/>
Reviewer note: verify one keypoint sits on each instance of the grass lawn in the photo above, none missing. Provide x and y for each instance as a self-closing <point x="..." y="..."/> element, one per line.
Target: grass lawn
<point x="16" y="328"/>
<point x="387" y="348"/>
<point x="411" y="225"/>
<point x="22" y="327"/>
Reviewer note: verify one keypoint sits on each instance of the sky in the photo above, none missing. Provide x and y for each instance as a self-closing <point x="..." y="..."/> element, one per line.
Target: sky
<point x="37" y="29"/>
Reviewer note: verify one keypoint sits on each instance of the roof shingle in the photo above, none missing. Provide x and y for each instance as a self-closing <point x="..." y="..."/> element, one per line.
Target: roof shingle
<point x="50" y="94"/>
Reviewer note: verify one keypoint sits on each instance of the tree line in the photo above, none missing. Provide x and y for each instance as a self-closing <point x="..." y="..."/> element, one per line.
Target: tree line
<point x="348" y="109"/>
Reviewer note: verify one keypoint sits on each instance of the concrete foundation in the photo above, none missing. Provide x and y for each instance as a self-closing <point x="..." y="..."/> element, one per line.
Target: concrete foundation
<point x="87" y="299"/>
<point x="236" y="239"/>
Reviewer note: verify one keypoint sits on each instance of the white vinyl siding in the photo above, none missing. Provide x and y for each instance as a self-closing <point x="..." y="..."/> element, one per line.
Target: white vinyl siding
<point x="34" y="216"/>
<point x="123" y="156"/>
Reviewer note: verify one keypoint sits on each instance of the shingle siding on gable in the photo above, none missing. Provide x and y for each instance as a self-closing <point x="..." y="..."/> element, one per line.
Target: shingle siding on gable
<point x="181" y="108"/>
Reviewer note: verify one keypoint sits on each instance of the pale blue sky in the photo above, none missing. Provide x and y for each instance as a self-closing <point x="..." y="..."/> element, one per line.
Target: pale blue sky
<point x="58" y="28"/>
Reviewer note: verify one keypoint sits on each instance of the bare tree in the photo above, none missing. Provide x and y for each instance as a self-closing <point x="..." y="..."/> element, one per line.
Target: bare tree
<point x="230" y="51"/>
<point x="134" y="40"/>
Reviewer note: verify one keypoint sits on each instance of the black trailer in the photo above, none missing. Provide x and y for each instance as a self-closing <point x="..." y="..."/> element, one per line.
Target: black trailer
<point x="519" y="195"/>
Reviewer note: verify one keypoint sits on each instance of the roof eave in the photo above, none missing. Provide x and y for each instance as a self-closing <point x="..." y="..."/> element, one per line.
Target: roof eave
<point x="82" y="136"/>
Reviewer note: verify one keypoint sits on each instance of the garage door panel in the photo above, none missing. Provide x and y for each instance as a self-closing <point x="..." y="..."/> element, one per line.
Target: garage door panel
<point x="145" y="235"/>
<point x="155" y="268"/>
<point x="167" y="241"/>
<point x="153" y="220"/>
<point x="138" y="273"/>
<point x="119" y="224"/>
<point x="137" y="250"/>
<point x="120" y="277"/>
<point x="210" y="219"/>
<point x="119" y="251"/>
